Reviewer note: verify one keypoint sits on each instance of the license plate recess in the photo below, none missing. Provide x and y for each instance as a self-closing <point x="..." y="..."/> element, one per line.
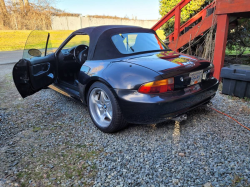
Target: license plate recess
<point x="195" y="77"/>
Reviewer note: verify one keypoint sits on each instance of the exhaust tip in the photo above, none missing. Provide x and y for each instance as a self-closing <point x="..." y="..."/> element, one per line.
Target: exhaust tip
<point x="180" y="118"/>
<point x="209" y="104"/>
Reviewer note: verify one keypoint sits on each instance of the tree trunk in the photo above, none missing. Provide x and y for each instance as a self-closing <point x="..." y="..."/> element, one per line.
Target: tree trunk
<point x="3" y="6"/>
<point x="26" y="2"/>
<point x="1" y="23"/>
<point x="21" y="4"/>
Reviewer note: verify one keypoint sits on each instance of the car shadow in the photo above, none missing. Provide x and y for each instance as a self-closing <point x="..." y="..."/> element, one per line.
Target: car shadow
<point x="169" y="124"/>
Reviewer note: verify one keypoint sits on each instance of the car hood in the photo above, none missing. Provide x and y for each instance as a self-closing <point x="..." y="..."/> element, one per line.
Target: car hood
<point x="170" y="63"/>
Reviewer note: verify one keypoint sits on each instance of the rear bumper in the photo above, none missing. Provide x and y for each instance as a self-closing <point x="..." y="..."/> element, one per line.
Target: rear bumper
<point x="151" y="108"/>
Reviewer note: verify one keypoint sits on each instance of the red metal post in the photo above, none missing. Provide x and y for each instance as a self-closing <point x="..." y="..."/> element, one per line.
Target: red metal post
<point x="197" y="30"/>
<point x="220" y="43"/>
<point x="170" y="14"/>
<point x="177" y="23"/>
<point x="232" y="6"/>
<point x="204" y="14"/>
<point x="170" y="38"/>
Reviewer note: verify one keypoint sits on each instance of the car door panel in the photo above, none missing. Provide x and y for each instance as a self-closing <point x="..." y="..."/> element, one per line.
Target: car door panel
<point x="42" y="72"/>
<point x="30" y="76"/>
<point x="36" y="70"/>
<point x="21" y="78"/>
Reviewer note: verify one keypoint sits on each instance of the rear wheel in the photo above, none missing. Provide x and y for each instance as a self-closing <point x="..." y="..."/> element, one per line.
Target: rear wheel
<point x="104" y="109"/>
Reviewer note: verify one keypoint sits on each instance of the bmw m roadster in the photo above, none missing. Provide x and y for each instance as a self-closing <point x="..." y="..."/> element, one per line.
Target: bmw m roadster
<point x="124" y="74"/>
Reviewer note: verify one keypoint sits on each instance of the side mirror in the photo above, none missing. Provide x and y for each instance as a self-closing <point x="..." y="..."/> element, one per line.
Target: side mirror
<point x="35" y="52"/>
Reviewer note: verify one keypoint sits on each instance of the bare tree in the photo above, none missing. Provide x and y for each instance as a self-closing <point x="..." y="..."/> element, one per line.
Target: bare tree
<point x="3" y="7"/>
<point x="21" y="4"/>
<point x="26" y="14"/>
<point x="26" y="3"/>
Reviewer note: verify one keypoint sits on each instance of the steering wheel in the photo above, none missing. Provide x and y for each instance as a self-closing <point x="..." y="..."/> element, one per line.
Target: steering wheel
<point x="81" y="53"/>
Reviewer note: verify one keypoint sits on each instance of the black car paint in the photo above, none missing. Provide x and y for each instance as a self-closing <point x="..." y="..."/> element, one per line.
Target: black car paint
<point x="155" y="108"/>
<point x="125" y="75"/>
<point x="131" y="73"/>
<point x="115" y="74"/>
<point x="30" y="76"/>
<point x="166" y="67"/>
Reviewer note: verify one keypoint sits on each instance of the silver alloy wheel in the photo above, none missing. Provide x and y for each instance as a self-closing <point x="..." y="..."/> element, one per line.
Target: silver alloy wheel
<point x="100" y="107"/>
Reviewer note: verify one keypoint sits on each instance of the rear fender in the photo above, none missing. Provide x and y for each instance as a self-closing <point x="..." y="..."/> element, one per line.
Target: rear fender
<point x="116" y="75"/>
<point x="84" y="88"/>
<point x="125" y="75"/>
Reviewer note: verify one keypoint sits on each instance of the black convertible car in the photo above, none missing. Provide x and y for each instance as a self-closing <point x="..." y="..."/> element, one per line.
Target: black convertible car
<point x="122" y="73"/>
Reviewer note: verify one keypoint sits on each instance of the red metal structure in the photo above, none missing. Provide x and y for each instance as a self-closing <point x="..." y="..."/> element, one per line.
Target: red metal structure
<point x="223" y="10"/>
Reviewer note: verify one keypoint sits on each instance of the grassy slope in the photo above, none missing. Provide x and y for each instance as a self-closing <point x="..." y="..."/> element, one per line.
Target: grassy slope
<point x="15" y="40"/>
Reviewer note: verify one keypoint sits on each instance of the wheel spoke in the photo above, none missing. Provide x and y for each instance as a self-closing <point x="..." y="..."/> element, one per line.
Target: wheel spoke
<point x="101" y="107"/>
<point x="102" y="97"/>
<point x="106" y="99"/>
<point x="95" y="98"/>
<point x="102" y="111"/>
<point x="108" y="115"/>
<point x="108" y="103"/>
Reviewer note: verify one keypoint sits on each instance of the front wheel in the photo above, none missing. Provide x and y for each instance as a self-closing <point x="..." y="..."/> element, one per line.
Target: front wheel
<point x="104" y="109"/>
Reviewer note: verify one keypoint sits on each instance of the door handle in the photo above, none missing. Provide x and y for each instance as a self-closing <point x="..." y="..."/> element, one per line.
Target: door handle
<point x="44" y="68"/>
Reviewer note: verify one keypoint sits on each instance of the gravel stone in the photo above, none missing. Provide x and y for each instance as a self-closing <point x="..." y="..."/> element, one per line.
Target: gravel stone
<point x="46" y="137"/>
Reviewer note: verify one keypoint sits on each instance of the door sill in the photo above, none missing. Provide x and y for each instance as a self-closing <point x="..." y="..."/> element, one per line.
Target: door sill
<point x="68" y="85"/>
<point x="69" y="89"/>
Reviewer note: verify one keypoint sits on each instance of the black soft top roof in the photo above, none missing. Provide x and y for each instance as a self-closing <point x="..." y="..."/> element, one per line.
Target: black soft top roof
<point x="101" y="46"/>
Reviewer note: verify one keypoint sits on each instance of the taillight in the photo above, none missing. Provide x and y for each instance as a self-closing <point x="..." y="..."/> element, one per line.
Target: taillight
<point x="157" y="86"/>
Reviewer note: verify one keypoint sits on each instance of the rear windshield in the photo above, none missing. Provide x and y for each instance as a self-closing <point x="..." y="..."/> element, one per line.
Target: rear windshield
<point x="129" y="43"/>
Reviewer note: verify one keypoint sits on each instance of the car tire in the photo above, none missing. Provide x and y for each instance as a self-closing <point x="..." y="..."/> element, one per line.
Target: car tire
<point x="104" y="109"/>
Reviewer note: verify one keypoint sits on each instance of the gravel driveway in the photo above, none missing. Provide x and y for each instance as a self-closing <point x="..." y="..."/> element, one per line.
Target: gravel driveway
<point x="49" y="139"/>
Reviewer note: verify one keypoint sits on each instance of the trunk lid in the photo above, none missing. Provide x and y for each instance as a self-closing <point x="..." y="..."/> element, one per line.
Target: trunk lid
<point x="170" y="64"/>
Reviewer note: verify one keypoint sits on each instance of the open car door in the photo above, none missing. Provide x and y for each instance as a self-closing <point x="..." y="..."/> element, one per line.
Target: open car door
<point x="36" y="70"/>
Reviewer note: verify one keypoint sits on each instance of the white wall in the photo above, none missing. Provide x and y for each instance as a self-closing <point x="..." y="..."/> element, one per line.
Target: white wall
<point x="74" y="23"/>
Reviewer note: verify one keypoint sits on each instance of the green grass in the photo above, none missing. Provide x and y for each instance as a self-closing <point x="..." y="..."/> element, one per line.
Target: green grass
<point x="15" y="40"/>
<point x="72" y="163"/>
<point x="81" y="146"/>
<point x="35" y="129"/>
<point x="247" y="99"/>
<point x="228" y="52"/>
<point x="11" y="40"/>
